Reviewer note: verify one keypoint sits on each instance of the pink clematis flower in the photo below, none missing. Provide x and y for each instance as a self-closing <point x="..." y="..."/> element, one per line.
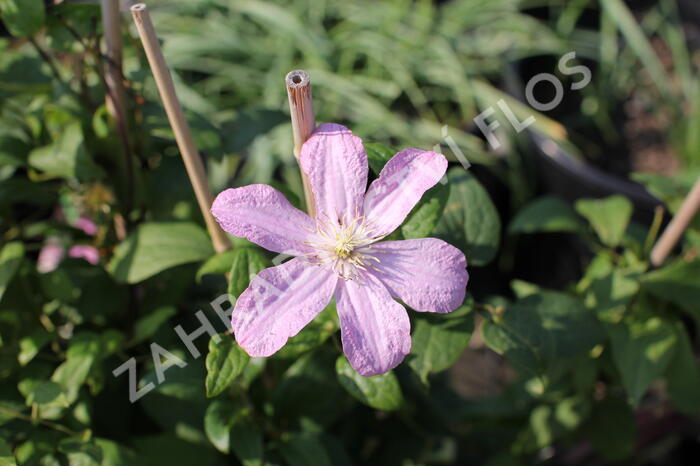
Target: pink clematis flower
<point x="339" y="253"/>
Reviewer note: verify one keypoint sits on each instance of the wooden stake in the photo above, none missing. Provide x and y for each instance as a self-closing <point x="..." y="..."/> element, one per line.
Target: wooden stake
<point x="303" y="120"/>
<point x="677" y="227"/>
<point x="113" y="52"/>
<point x="183" y="135"/>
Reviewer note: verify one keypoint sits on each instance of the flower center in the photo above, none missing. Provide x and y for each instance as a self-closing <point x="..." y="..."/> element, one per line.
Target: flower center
<point x="344" y="247"/>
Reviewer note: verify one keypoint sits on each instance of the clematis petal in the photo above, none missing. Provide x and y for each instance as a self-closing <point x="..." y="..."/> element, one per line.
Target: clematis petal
<point x="427" y="274"/>
<point x="279" y="302"/>
<point x="83" y="251"/>
<point x="375" y="329"/>
<point x="400" y="185"/>
<point x="50" y="256"/>
<point x="264" y="216"/>
<point x="335" y="163"/>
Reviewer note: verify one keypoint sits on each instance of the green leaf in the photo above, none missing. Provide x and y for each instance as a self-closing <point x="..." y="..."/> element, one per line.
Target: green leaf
<point x="218" y="264"/>
<point x="66" y="157"/>
<point x="678" y="283"/>
<point x="114" y="454"/>
<point x="611" y="429"/>
<point x="247" y="442"/>
<point x="6" y="456"/>
<point x="23" y="18"/>
<point x="642" y="345"/>
<point x="225" y="361"/>
<point x="608" y="217"/>
<point x="30" y="345"/>
<point x="247" y="262"/>
<point x="249" y="124"/>
<point x="426" y="214"/>
<point x="149" y="324"/>
<point x="469" y="220"/>
<point x="83" y="351"/>
<point x="81" y="453"/>
<point x="10" y="258"/>
<point x="154" y="247"/>
<point x="220" y="416"/>
<point x="683" y="375"/>
<point x="305" y="449"/>
<point x="542" y="330"/>
<point x="47" y="394"/>
<point x="546" y="214"/>
<point x="379" y="391"/>
<point x="608" y="289"/>
<point x="378" y="155"/>
<point x="439" y="340"/>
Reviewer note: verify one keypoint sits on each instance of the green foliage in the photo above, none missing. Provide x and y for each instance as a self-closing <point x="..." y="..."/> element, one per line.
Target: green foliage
<point x="23" y="18"/>
<point x="225" y="361"/>
<point x="545" y="371"/>
<point x="379" y="391"/>
<point x="439" y="340"/>
<point x="148" y="250"/>
<point x="469" y="219"/>
<point x="546" y="214"/>
<point x="608" y="217"/>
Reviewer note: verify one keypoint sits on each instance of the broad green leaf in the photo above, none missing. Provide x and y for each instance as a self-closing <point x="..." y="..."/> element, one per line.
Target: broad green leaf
<point x="611" y="429"/>
<point x="23" y="18"/>
<point x="10" y="258"/>
<point x="426" y="214"/>
<point x="218" y="264"/>
<point x="549" y="423"/>
<point x="220" y="416"/>
<point x="608" y="217"/>
<point x="683" y="375"/>
<point x="678" y="283"/>
<point x="607" y="289"/>
<point x="6" y="456"/>
<point x="439" y="340"/>
<point x="149" y="324"/>
<point x="247" y="442"/>
<point x="541" y="330"/>
<point x="305" y="449"/>
<point x="225" y="361"/>
<point x="470" y="220"/>
<point x="379" y="391"/>
<point x="247" y="262"/>
<point x="114" y="454"/>
<point x="30" y="345"/>
<point x="83" y="351"/>
<point x="546" y="214"/>
<point x="154" y="247"/>
<point x="643" y="345"/>
<point x="47" y="394"/>
<point x="249" y="124"/>
<point x="309" y="389"/>
<point x="378" y="155"/>
<point x="81" y="453"/>
<point x="66" y="157"/>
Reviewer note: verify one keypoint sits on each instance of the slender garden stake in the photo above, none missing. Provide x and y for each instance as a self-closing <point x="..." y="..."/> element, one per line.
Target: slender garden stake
<point x="678" y="225"/>
<point x="303" y="120"/>
<point x="113" y="52"/>
<point x="183" y="135"/>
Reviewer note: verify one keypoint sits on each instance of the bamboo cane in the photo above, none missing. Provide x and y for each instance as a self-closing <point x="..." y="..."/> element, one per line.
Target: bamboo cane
<point x="677" y="227"/>
<point x="303" y="120"/>
<point x="183" y="135"/>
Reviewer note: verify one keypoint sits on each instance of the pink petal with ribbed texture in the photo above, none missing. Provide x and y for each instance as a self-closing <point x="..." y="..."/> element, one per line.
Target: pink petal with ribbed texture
<point x="50" y="256"/>
<point x="82" y="251"/>
<point x="375" y="329"/>
<point x="335" y="163"/>
<point x="279" y="302"/>
<point x="400" y="185"/>
<point x="427" y="274"/>
<point x="87" y="225"/>
<point x="263" y="215"/>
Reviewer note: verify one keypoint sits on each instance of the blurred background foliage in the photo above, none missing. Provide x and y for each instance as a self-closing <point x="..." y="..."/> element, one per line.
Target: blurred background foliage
<point x="570" y="348"/>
